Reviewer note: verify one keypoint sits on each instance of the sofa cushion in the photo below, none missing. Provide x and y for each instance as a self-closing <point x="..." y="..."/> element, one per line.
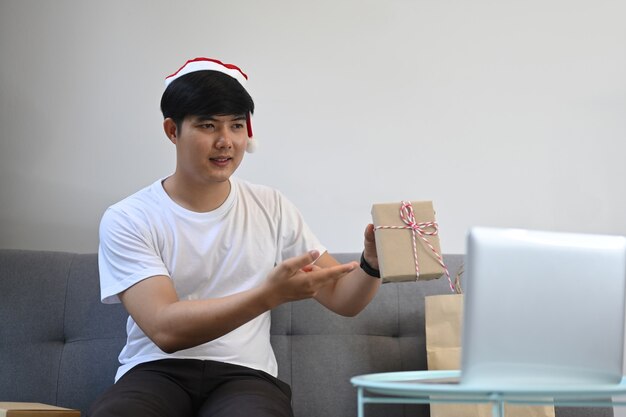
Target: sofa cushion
<point x="58" y="343"/>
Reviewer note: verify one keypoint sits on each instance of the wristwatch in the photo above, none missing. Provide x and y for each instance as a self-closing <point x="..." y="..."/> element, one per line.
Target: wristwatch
<point x="369" y="270"/>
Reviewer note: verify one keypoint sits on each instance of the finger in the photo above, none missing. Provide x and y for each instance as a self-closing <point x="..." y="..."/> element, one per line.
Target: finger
<point x="370" y="236"/>
<point x="335" y="272"/>
<point x="370" y="240"/>
<point x="293" y="265"/>
<point x="321" y="277"/>
<point x="310" y="268"/>
<point x="369" y="252"/>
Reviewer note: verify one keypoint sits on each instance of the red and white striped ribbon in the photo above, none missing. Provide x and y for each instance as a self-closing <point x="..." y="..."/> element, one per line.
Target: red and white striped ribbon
<point x="422" y="230"/>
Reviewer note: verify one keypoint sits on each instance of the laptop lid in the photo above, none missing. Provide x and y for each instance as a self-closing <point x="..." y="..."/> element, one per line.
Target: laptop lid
<point x="543" y="308"/>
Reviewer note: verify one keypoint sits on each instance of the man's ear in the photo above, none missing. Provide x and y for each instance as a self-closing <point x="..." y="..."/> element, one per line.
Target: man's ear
<point x="170" y="129"/>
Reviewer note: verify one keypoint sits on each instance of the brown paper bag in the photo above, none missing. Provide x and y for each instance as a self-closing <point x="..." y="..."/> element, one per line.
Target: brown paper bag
<point x="21" y="409"/>
<point x="395" y="244"/>
<point x="444" y="318"/>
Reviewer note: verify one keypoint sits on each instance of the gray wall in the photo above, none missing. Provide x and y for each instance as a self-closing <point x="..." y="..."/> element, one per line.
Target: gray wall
<point x="504" y="113"/>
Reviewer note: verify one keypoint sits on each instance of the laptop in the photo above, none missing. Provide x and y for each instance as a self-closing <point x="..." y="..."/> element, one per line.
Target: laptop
<point x="543" y="309"/>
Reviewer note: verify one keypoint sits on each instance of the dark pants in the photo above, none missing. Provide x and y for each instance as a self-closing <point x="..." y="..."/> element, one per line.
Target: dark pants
<point x="194" y="388"/>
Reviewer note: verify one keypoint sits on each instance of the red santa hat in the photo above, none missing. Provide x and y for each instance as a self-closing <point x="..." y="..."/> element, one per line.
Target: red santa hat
<point x="201" y="64"/>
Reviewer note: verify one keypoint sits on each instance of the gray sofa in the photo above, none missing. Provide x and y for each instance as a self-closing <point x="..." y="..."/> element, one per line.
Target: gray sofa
<point x="59" y="344"/>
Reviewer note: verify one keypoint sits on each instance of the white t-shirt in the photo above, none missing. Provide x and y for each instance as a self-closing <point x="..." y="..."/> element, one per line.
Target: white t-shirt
<point x="207" y="255"/>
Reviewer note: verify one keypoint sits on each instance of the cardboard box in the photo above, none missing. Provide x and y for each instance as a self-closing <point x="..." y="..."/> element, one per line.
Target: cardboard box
<point x="394" y="242"/>
<point x="18" y="409"/>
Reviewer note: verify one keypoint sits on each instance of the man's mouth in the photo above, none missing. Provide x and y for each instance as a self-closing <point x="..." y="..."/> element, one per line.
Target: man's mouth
<point x="221" y="160"/>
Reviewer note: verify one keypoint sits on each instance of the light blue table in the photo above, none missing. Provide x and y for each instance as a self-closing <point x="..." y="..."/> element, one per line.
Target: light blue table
<point x="428" y="387"/>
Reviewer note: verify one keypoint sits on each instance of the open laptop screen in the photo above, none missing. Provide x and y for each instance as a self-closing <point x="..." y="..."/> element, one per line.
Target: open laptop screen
<point x="543" y="308"/>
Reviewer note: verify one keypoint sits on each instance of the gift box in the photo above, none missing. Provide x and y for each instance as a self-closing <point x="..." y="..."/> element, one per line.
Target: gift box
<point x="407" y="241"/>
<point x="16" y="409"/>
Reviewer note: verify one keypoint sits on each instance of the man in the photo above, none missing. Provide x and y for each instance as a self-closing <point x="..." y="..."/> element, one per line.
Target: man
<point x="200" y="258"/>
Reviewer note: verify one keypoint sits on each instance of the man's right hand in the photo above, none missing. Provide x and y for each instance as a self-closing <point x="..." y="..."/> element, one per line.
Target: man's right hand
<point x="299" y="278"/>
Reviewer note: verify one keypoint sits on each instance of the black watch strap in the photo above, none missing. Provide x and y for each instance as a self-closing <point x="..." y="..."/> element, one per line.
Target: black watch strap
<point x="368" y="268"/>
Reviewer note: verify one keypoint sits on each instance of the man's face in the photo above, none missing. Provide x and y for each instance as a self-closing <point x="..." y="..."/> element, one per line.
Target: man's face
<point x="209" y="150"/>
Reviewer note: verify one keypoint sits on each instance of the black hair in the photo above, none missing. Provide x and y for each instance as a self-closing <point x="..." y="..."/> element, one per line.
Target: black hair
<point x="205" y="93"/>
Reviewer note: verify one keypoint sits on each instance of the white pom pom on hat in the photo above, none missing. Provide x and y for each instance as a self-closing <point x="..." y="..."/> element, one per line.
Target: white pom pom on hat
<point x="203" y="64"/>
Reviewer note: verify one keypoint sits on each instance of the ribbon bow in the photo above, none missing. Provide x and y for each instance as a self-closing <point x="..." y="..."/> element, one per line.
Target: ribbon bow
<point x="422" y="229"/>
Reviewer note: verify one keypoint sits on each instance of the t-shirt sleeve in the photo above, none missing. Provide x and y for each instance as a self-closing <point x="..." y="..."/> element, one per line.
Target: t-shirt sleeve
<point x="295" y="237"/>
<point x="126" y="254"/>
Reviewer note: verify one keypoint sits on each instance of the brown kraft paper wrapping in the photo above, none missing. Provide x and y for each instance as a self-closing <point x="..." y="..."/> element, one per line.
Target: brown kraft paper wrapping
<point x="22" y="409"/>
<point x="395" y="246"/>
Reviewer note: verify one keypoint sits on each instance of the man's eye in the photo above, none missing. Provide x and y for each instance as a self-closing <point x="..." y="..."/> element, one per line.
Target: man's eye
<point x="207" y="126"/>
<point x="238" y="126"/>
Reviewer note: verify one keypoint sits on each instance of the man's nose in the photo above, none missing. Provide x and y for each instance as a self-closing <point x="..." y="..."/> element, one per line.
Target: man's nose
<point x="224" y="139"/>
